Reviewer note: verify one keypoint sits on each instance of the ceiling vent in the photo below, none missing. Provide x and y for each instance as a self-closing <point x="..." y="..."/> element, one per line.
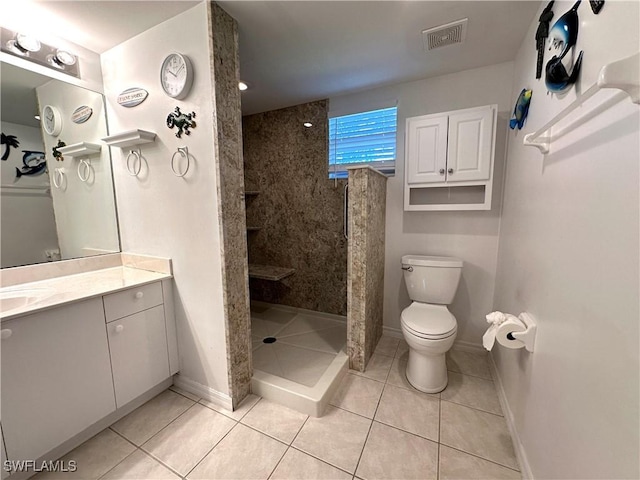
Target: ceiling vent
<point x="449" y="34"/>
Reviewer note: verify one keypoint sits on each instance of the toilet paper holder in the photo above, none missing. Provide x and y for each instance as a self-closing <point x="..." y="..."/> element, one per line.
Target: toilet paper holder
<point x="528" y="337"/>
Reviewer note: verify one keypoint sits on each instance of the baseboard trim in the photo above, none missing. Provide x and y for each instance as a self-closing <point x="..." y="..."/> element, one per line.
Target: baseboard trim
<point x="203" y="391"/>
<point x="521" y="454"/>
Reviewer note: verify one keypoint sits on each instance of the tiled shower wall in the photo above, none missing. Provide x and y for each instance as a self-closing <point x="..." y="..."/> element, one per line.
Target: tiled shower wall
<point x="298" y="209"/>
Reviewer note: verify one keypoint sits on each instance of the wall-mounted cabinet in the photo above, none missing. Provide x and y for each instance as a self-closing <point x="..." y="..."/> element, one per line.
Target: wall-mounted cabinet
<point x="449" y="160"/>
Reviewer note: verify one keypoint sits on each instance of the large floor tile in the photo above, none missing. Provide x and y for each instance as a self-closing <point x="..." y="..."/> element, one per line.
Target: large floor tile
<point x="184" y="393"/>
<point x="398" y="375"/>
<point x="393" y="454"/>
<point x="473" y="392"/>
<point x="476" y="364"/>
<point x="414" y="412"/>
<point x="147" y="420"/>
<point x="299" y="365"/>
<point x="358" y="395"/>
<point x="189" y="438"/>
<point x="337" y="438"/>
<point x="275" y="420"/>
<point x="480" y="433"/>
<point x="403" y="347"/>
<point x="93" y="458"/>
<point x="296" y="465"/>
<point x="245" y="406"/>
<point x="243" y="454"/>
<point x="457" y="465"/>
<point x="387" y="346"/>
<point x="140" y="466"/>
<point x="377" y="369"/>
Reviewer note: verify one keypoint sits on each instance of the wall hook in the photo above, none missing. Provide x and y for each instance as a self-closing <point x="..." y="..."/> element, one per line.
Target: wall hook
<point x="184" y="153"/>
<point x="84" y="167"/>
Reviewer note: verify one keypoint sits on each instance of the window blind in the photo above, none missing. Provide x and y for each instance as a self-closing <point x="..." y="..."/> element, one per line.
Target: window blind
<point x="367" y="137"/>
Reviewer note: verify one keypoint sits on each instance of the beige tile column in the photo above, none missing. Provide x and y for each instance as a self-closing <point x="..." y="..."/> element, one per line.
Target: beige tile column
<point x="365" y="263"/>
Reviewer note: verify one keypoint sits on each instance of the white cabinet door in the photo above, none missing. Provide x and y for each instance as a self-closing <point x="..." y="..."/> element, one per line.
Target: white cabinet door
<point x="56" y="377"/>
<point x="426" y="157"/>
<point x="139" y="358"/>
<point x="470" y="144"/>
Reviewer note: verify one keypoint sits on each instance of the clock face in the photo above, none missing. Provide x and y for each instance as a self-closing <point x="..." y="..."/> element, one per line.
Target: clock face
<point x="176" y="76"/>
<point x="51" y="120"/>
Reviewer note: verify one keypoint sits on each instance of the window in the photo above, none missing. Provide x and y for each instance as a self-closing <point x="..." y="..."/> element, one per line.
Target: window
<point x="367" y="137"/>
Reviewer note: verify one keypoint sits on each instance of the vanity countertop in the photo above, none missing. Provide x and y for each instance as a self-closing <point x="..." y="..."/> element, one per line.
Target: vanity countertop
<point x="54" y="292"/>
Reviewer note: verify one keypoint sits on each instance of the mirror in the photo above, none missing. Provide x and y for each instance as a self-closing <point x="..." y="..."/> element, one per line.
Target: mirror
<point x="53" y="207"/>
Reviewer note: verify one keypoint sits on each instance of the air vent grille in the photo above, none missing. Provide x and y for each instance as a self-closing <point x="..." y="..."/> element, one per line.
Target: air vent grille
<point x="449" y="34"/>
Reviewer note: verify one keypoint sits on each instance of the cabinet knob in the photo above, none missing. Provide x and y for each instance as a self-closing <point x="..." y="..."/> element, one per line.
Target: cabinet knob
<point x="442" y="171"/>
<point x="119" y="328"/>
<point x="450" y="170"/>
<point x="5" y="333"/>
<point x="139" y="295"/>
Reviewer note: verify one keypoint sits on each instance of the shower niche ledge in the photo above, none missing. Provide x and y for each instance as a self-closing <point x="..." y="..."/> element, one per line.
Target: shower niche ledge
<point x="269" y="272"/>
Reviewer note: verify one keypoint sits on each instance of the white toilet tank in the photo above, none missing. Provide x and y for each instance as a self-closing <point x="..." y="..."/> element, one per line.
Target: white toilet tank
<point x="431" y="279"/>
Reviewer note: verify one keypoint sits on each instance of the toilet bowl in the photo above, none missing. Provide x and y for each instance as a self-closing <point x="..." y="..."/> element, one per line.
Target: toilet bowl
<point x="427" y="325"/>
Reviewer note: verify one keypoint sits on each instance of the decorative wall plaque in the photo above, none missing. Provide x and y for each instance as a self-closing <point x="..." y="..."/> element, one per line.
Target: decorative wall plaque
<point x="81" y="114"/>
<point x="132" y="97"/>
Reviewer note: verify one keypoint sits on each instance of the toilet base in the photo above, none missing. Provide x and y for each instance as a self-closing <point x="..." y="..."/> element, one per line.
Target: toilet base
<point x="427" y="373"/>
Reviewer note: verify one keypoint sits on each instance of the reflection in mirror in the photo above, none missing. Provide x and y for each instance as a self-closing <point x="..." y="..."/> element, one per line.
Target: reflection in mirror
<point x="53" y="207"/>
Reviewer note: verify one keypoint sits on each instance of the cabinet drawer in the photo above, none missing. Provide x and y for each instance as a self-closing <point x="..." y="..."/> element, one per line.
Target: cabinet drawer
<point x="138" y="346"/>
<point x="134" y="300"/>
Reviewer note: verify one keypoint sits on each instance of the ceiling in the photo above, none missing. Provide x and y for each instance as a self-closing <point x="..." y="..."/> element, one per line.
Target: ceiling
<point x="18" y="95"/>
<point x="296" y="51"/>
<point x="293" y="52"/>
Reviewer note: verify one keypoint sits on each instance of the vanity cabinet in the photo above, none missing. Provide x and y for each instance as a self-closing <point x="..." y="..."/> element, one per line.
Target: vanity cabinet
<point x="56" y="377"/>
<point x="138" y="345"/>
<point x="68" y="367"/>
<point x="449" y="160"/>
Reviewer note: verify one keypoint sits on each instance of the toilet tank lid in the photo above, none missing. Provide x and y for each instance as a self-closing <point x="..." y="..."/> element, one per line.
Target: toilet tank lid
<point x="431" y="261"/>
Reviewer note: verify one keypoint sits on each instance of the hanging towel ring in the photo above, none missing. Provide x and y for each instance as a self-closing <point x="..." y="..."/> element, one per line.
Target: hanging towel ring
<point x="58" y="177"/>
<point x="131" y="167"/>
<point x="84" y="167"/>
<point x="184" y="153"/>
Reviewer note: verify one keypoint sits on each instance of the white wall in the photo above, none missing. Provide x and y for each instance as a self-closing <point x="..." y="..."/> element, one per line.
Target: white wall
<point x="569" y="255"/>
<point x="159" y="213"/>
<point x="471" y="236"/>
<point x="85" y="211"/>
<point x="28" y="223"/>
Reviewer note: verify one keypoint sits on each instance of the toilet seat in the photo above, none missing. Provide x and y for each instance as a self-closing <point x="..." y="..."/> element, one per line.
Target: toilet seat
<point x="432" y="322"/>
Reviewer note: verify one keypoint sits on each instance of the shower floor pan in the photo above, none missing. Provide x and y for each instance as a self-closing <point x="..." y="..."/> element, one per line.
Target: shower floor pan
<point x="299" y="356"/>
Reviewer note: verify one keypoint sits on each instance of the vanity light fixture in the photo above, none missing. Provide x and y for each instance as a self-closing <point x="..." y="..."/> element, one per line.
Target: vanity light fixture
<point x="242" y="86"/>
<point x="308" y="124"/>
<point x="30" y="48"/>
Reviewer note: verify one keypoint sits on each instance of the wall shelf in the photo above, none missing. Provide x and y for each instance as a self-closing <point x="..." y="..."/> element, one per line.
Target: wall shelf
<point x="82" y="149"/>
<point x="268" y="272"/>
<point x="621" y="75"/>
<point x="130" y="138"/>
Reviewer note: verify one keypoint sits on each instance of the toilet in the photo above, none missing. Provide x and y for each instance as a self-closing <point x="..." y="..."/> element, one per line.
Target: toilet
<point x="427" y="325"/>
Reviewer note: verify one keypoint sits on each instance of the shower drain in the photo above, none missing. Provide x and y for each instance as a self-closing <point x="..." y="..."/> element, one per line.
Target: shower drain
<point x="269" y="340"/>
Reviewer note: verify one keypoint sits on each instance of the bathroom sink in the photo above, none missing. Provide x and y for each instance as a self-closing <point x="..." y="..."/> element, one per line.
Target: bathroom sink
<point x="13" y="298"/>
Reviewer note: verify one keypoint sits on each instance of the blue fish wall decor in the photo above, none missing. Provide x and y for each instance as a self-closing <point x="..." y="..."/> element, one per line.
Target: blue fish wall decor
<point x="521" y="110"/>
<point x="564" y="35"/>
<point x="34" y="163"/>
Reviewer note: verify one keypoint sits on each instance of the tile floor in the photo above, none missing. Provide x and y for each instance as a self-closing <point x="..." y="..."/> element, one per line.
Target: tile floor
<point x="378" y="426"/>
<point x="305" y="347"/>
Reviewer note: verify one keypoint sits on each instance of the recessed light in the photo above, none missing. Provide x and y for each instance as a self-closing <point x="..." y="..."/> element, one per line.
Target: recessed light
<point x="37" y="117"/>
<point x="64" y="57"/>
<point x="308" y="124"/>
<point x="242" y="86"/>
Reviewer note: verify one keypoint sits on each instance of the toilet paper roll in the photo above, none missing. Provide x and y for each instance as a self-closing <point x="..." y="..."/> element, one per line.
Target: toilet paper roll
<point x="510" y="325"/>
